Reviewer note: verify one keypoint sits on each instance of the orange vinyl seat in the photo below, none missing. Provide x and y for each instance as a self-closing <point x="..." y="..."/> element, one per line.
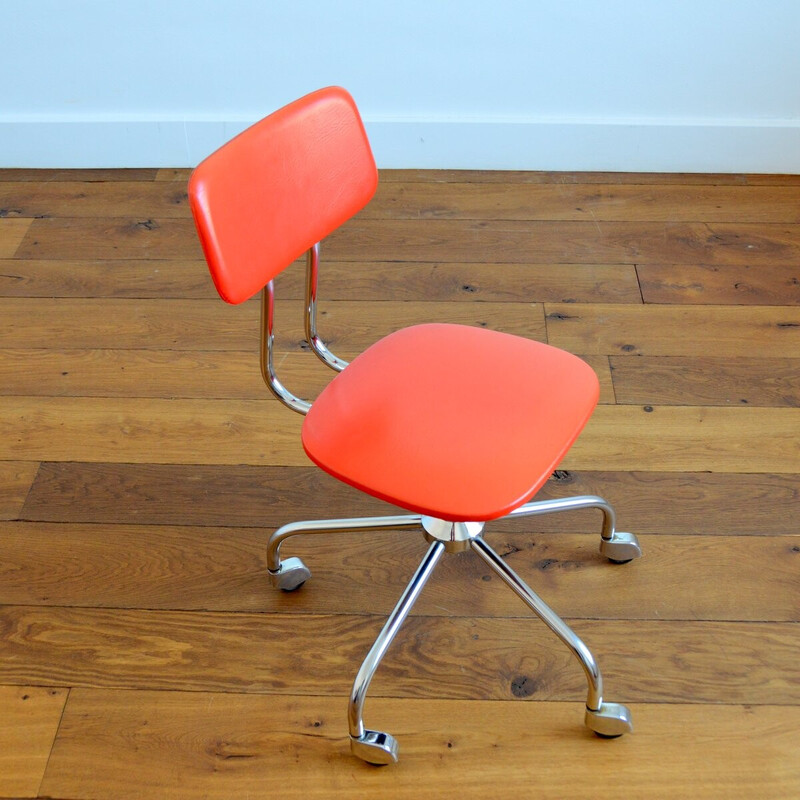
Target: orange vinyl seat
<point x="458" y="425"/>
<point x="451" y="421"/>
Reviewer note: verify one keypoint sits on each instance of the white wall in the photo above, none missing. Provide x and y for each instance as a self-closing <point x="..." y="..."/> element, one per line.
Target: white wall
<point x="690" y="85"/>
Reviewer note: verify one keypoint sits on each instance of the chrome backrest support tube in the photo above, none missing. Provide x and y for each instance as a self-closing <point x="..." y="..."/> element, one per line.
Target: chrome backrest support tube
<point x="267" y="343"/>
<point x="315" y="343"/>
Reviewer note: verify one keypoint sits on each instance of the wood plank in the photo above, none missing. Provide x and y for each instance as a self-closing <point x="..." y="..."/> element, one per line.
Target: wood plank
<point x="707" y="380"/>
<point x="558" y="242"/>
<point x="72" y="175"/>
<point x="154" y="373"/>
<point x="572" y="177"/>
<point x="110" y="238"/>
<point x="175" y="373"/>
<point x="602" y="367"/>
<point x="33" y="322"/>
<point x="178" y="494"/>
<point x="148" y="430"/>
<point x="689" y="439"/>
<point x="512" y="241"/>
<point x="777" y="285"/>
<point x="436" y="175"/>
<point x="339" y="280"/>
<point x="16" y="479"/>
<point x="724" y="331"/>
<point x="567" y="178"/>
<point x="177" y="174"/>
<point x="137" y="745"/>
<point x="601" y="202"/>
<point x="175" y="494"/>
<point x="87" y="278"/>
<point x="28" y="726"/>
<point x="470" y="282"/>
<point x="94" y="199"/>
<point x="223" y="569"/>
<point x="12" y="232"/>
<point x="433" y="657"/>
<point x="158" y="324"/>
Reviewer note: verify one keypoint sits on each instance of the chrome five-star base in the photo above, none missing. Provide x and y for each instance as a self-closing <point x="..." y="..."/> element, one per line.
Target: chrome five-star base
<point x="607" y="720"/>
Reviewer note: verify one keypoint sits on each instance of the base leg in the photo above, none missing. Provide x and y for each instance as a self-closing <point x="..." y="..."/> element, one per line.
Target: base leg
<point x="615" y="546"/>
<point x="607" y="719"/>
<point x="292" y="573"/>
<point x="377" y="747"/>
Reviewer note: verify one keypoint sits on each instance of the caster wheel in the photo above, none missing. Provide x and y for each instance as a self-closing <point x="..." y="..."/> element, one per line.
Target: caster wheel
<point x="375" y="747"/>
<point x="610" y="721"/>
<point x="290" y="576"/>
<point x="621" y="548"/>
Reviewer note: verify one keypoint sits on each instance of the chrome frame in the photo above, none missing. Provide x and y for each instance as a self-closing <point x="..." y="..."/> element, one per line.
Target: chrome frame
<point x="376" y="747"/>
<point x="267" y="350"/>
<point x="276" y="567"/>
<point x="560" y="628"/>
<point x="608" y="720"/>
<point x="267" y="343"/>
<point x="317" y="345"/>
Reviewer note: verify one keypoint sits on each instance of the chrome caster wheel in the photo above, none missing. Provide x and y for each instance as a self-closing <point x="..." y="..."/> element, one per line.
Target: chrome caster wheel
<point x="609" y="721"/>
<point x="375" y="747"/>
<point x="291" y="575"/>
<point x="621" y="548"/>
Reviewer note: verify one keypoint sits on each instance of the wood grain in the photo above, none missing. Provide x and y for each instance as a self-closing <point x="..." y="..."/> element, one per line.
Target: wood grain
<point x="148" y="430"/>
<point x="578" y="201"/>
<point x="212" y="325"/>
<point x="340" y="280"/>
<point x="28" y="724"/>
<point x="177" y="174"/>
<point x="133" y="563"/>
<point x="563" y="242"/>
<point x="188" y="746"/>
<point x="433" y="241"/>
<point x="689" y="439"/>
<point x="721" y="331"/>
<point x="158" y="373"/>
<point x="12" y="232"/>
<point x="176" y="494"/>
<point x="438" y="176"/>
<point x="471" y="282"/>
<point x="16" y="479"/>
<point x="141" y="237"/>
<point x="223" y="569"/>
<point x="176" y="373"/>
<point x="398" y="199"/>
<point x="514" y="177"/>
<point x="676" y="380"/>
<point x="464" y="658"/>
<point x="744" y="284"/>
<point x="110" y="278"/>
<point x="72" y="175"/>
<point x="93" y="199"/>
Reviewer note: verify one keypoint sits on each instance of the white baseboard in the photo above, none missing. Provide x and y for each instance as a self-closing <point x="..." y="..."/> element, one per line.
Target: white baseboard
<point x="766" y="146"/>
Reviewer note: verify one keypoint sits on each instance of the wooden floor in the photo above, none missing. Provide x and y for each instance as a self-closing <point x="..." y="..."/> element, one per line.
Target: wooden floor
<point x="143" y="653"/>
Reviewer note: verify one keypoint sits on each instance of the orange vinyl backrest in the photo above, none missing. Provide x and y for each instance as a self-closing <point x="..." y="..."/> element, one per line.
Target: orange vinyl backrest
<point x="278" y="188"/>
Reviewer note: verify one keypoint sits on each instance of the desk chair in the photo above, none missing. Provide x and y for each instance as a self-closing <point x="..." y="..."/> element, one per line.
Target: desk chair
<point x="456" y="424"/>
